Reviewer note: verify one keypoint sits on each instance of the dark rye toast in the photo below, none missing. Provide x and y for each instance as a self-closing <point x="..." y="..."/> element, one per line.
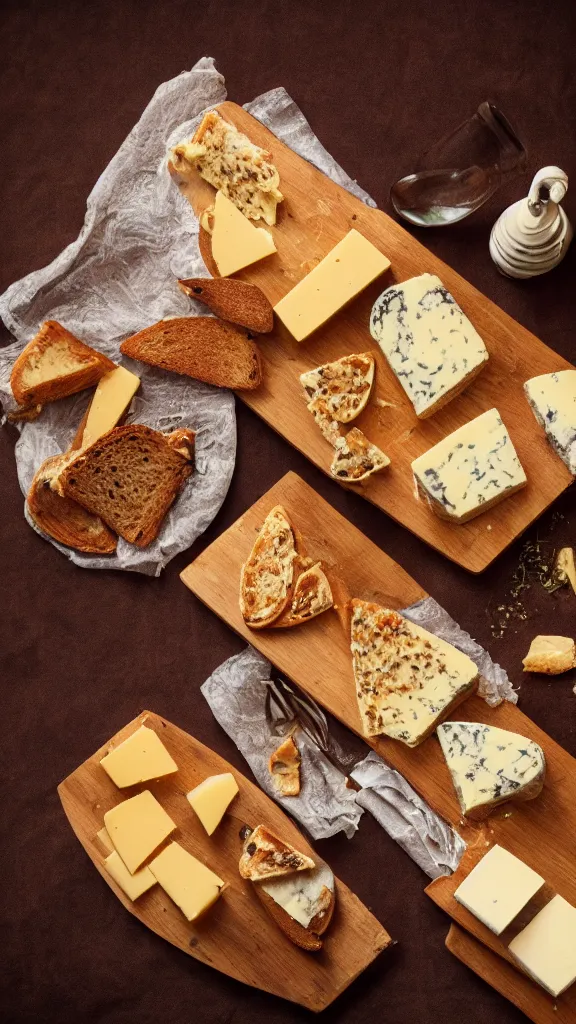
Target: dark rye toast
<point x="64" y="519"/>
<point x="237" y="301"/>
<point x="55" y="364"/>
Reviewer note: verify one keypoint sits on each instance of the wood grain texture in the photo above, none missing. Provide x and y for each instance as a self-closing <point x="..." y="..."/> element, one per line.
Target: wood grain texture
<point x="315" y="215"/>
<point x="236" y="936"/>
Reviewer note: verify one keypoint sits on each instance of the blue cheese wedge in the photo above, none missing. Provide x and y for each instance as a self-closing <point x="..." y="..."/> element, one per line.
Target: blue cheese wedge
<point x="470" y="470"/>
<point x="428" y="341"/>
<point x="553" y="400"/>
<point x="407" y="680"/>
<point x="305" y="895"/>
<point x="490" y="766"/>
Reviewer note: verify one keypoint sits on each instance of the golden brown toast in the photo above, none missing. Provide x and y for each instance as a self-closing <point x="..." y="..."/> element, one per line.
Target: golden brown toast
<point x="64" y="519"/>
<point x="237" y="301"/>
<point x="55" y="364"/>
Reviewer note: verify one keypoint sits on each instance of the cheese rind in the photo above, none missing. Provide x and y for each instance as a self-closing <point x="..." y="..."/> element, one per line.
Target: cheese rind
<point x="346" y="270"/>
<point x="137" y="827"/>
<point x="490" y="765"/>
<point x="471" y="470"/>
<point x="236" y="243"/>
<point x="112" y="397"/>
<point x="498" y="888"/>
<point x="190" y="884"/>
<point x="428" y="341"/>
<point x="546" y="948"/>
<point x="133" y="885"/>
<point x="139" y="758"/>
<point x="552" y="397"/>
<point x="301" y="895"/>
<point x="211" y="799"/>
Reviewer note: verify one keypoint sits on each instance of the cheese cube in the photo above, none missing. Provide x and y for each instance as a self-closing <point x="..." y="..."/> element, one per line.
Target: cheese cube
<point x="140" y="758"/>
<point x="133" y="885"/>
<point x="236" y="243"/>
<point x="498" y="888"/>
<point x="212" y="798"/>
<point x="347" y="269"/>
<point x="188" y="882"/>
<point x="552" y="397"/>
<point x="112" y="397"/>
<point x="137" y="827"/>
<point x="470" y="470"/>
<point x="546" y="948"/>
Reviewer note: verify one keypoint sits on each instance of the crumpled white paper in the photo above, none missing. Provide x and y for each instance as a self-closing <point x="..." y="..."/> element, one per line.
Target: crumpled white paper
<point x="236" y="693"/>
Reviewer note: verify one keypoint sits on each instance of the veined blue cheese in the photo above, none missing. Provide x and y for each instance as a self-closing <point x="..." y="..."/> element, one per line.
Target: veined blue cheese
<point x="553" y="400"/>
<point x="470" y="470"/>
<point x="490" y="765"/>
<point x="407" y="679"/>
<point x="304" y="895"/>
<point x="428" y="341"/>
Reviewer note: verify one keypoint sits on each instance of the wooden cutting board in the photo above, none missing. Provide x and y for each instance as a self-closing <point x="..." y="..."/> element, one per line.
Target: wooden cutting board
<point x="236" y="936"/>
<point x="315" y="215"/>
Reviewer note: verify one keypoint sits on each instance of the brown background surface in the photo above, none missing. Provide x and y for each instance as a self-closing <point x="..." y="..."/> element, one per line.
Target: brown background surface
<point x="81" y="653"/>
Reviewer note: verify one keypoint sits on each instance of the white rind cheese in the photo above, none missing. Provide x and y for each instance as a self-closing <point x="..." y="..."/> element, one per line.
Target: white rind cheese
<point x="301" y="895"/>
<point x="498" y="888"/>
<point x="546" y="948"/>
<point x="471" y="470"/>
<point x="490" y="765"/>
<point x="553" y="400"/>
<point x="428" y="341"/>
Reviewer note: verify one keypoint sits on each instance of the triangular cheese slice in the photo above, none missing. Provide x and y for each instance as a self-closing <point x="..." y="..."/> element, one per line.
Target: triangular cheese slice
<point x="407" y="680"/>
<point x="490" y="765"/>
<point x="236" y="243"/>
<point x="266" y="856"/>
<point x="344" y="385"/>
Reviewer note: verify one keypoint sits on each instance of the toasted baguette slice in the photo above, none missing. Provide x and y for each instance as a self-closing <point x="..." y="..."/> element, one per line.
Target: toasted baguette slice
<point x="284" y="767"/>
<point x="237" y="301"/>
<point x="266" y="856"/>
<point x="55" y="364"/>
<point x="200" y="347"/>
<point x="129" y="478"/>
<point x="312" y="595"/>
<point x="344" y="385"/>
<point x="302" y="905"/>
<point x="65" y="520"/>
<point x="267" y="577"/>
<point x="357" y="458"/>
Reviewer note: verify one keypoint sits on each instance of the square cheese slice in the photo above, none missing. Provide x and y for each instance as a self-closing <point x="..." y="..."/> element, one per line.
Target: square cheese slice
<point x="212" y="798"/>
<point x="139" y="758"/>
<point x="236" y="243"/>
<point x="546" y="948"/>
<point x="428" y="341"/>
<point x="470" y="470"/>
<point x="552" y="397"/>
<point x="347" y="269"/>
<point x="133" y="885"/>
<point x="137" y="827"/>
<point x="498" y="888"/>
<point x="188" y="882"/>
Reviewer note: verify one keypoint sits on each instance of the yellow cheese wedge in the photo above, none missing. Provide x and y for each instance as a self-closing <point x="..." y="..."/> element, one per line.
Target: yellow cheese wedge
<point x="105" y="840"/>
<point x="188" y="882"/>
<point x="212" y="798"/>
<point x="141" y="757"/>
<point x="133" y="885"/>
<point x="137" y="827"/>
<point x="236" y="243"/>
<point x="112" y="397"/>
<point x="347" y="269"/>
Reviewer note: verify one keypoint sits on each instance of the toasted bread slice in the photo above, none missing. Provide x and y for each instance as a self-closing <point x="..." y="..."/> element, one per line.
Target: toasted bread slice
<point x="312" y="595"/>
<point x="65" y="520"/>
<point x="357" y="458"/>
<point x="301" y="904"/>
<point x="284" y="767"/>
<point x="344" y="385"/>
<point x="237" y="301"/>
<point x="329" y="427"/>
<point x="55" y="364"/>
<point x="265" y="856"/>
<point x="129" y="478"/>
<point x="200" y="347"/>
<point x="267" y="576"/>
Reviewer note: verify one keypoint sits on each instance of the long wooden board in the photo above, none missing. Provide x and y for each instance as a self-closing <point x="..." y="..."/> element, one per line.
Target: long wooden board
<point x="315" y="215"/>
<point x="237" y="936"/>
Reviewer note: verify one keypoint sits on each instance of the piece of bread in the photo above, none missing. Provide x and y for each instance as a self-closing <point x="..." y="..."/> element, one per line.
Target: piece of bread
<point x="265" y="856"/>
<point x="55" y="364"/>
<point x="309" y="937"/>
<point x="267" y="576"/>
<point x="550" y="655"/>
<point x="357" y="458"/>
<point x="329" y="428"/>
<point x="237" y="301"/>
<point x="312" y="595"/>
<point x="344" y="385"/>
<point x="227" y="159"/>
<point x="64" y="519"/>
<point x="200" y="347"/>
<point x="284" y="767"/>
<point x="129" y="478"/>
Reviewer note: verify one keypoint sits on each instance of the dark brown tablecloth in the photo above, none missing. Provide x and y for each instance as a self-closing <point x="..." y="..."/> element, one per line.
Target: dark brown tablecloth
<point x="83" y="652"/>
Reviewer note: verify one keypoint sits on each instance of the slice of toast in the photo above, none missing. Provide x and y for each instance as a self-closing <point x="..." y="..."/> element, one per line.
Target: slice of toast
<point x="55" y="364"/>
<point x="129" y="478"/>
<point x="312" y="595"/>
<point x="200" y="347"/>
<point x="322" y="900"/>
<point x="344" y="385"/>
<point x="266" y="856"/>
<point x="284" y="767"/>
<point x="267" y="576"/>
<point x="237" y="301"/>
<point x="64" y="519"/>
<point x="357" y="458"/>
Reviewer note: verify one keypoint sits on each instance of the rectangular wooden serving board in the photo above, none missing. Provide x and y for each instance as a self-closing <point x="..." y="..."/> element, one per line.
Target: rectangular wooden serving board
<point x="236" y="936"/>
<point x="315" y="215"/>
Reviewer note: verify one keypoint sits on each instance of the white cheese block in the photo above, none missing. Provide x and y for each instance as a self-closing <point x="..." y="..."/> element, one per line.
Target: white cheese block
<point x="490" y="765"/>
<point x="498" y="888"/>
<point x="546" y="948"/>
<point x="428" y="341"/>
<point x="470" y="470"/>
<point x="211" y="799"/>
<point x="300" y="894"/>
<point x="552" y="397"/>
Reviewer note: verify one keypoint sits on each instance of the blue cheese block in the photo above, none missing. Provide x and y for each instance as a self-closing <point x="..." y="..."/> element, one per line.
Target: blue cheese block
<point x="553" y="400"/>
<point x="490" y="766"/>
<point x="470" y="470"/>
<point x="429" y="342"/>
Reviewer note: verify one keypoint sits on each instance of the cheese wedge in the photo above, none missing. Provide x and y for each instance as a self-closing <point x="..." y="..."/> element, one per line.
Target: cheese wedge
<point x="498" y="888"/>
<point x="266" y="856"/>
<point x="112" y="397"/>
<point x="133" y="885"/>
<point x="551" y="655"/>
<point x="137" y="827"/>
<point x="552" y="397"/>
<point x="139" y="758"/>
<point x="546" y="948"/>
<point x="236" y="243"/>
<point x="188" y="882"/>
<point x="211" y="799"/>
<point x="490" y="765"/>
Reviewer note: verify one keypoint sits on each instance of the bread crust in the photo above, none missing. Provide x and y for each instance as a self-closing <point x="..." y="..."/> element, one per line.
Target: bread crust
<point x="64" y="519"/>
<point x="52" y="333"/>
